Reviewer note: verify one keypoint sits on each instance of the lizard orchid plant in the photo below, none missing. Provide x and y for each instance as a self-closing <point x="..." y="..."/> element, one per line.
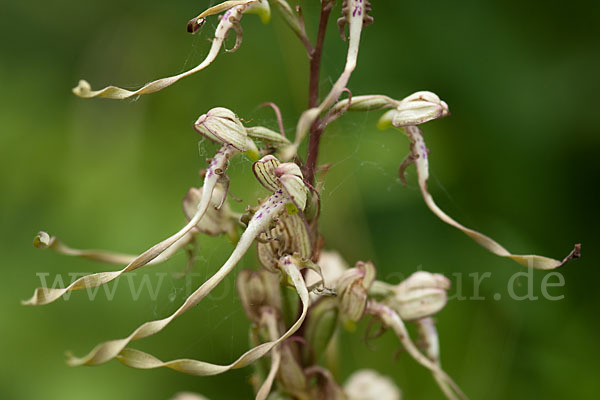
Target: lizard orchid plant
<point x="285" y="228"/>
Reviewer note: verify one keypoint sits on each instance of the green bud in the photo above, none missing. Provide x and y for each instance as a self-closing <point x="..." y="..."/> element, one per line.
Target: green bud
<point x="260" y="8"/>
<point x="320" y="328"/>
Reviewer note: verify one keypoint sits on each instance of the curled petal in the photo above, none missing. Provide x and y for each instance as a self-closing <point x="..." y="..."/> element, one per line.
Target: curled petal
<point x="232" y="17"/>
<point x="419" y="152"/>
<point x="43" y="295"/>
<point x="272" y="327"/>
<point x="43" y="241"/>
<point x="220" y="162"/>
<point x="109" y="350"/>
<point x="391" y="319"/>
<point x="239" y="36"/>
<point x="139" y="359"/>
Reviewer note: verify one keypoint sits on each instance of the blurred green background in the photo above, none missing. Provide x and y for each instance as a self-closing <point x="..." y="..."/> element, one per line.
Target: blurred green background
<point x="517" y="159"/>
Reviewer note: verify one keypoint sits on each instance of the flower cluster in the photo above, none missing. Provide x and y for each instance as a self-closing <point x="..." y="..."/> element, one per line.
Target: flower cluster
<point x="293" y="333"/>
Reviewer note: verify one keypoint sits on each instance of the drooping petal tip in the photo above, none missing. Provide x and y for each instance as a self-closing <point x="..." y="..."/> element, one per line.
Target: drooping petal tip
<point x="42" y="240"/>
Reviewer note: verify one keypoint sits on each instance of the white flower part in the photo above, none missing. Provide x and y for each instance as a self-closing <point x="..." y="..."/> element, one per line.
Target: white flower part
<point x="264" y="171"/>
<point x="214" y="174"/>
<point x="188" y="396"/>
<point x="367" y="384"/>
<point x="416" y="109"/>
<point x="420" y="295"/>
<point x="274" y="175"/>
<point x="221" y="125"/>
<point x="332" y="267"/>
<point x="218" y="217"/>
<point x="420" y="157"/>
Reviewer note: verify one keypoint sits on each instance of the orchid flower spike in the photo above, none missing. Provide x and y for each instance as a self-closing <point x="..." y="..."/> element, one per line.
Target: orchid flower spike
<point x="230" y="20"/>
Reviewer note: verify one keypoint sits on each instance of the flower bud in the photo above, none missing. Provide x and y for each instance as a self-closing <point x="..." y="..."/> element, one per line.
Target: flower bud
<point x="352" y="289"/>
<point x="320" y="326"/>
<point x="258" y="289"/>
<point x="367" y="384"/>
<point x="291" y="375"/>
<point x="264" y="171"/>
<point x="416" y="109"/>
<point x="223" y="126"/>
<point x="420" y="295"/>
<point x="287" y="176"/>
<point x="216" y="220"/>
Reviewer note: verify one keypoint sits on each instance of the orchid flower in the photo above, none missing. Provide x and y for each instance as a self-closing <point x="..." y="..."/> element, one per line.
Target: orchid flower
<point x="230" y="20"/>
<point x="417" y="109"/>
<point x="221" y="129"/>
<point x="289" y="193"/>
